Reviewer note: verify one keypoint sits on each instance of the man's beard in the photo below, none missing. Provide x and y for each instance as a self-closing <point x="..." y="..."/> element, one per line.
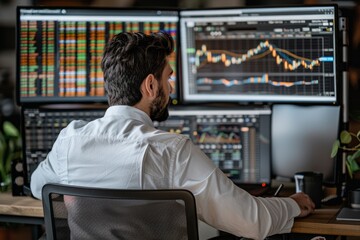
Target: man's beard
<point x="159" y="109"/>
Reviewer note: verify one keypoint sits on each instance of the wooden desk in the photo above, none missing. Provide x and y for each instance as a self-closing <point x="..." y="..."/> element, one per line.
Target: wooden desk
<point x="323" y="221"/>
<point x="20" y="209"/>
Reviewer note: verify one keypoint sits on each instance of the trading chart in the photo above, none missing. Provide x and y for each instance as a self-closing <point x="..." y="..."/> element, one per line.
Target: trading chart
<point x="263" y="59"/>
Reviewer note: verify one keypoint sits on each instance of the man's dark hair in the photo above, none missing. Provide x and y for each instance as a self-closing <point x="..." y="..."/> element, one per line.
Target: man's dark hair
<point x="128" y="59"/>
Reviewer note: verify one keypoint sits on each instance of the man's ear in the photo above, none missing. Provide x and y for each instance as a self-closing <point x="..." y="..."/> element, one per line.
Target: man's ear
<point x="149" y="86"/>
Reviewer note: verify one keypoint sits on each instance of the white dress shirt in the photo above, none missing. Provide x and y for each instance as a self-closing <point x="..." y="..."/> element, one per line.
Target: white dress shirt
<point x="123" y="150"/>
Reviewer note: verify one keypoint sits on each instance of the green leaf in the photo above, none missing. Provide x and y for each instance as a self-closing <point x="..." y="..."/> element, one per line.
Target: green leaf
<point x="335" y="148"/>
<point x="349" y="169"/>
<point x="10" y="144"/>
<point x="355" y="156"/>
<point x="2" y="140"/>
<point x="10" y="130"/>
<point x="345" y="137"/>
<point x="353" y="164"/>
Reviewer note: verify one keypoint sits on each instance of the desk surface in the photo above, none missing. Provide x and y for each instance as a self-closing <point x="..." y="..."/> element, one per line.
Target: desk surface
<point x="20" y="206"/>
<point x="322" y="221"/>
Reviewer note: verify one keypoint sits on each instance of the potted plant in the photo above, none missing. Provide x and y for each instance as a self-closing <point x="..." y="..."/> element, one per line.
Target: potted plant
<point x="10" y="148"/>
<point x="349" y="142"/>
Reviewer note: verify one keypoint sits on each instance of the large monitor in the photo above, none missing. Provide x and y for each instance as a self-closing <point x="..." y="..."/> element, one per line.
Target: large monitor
<point x="272" y="54"/>
<point x="59" y="50"/>
<point x="302" y="139"/>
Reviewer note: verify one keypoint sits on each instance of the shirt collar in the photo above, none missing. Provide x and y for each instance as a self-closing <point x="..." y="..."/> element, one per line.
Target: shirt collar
<point x="129" y="112"/>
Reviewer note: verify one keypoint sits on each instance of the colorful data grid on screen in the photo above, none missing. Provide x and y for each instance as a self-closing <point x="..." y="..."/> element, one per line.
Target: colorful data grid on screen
<point x="60" y="50"/>
<point x="282" y="54"/>
<point x="236" y="140"/>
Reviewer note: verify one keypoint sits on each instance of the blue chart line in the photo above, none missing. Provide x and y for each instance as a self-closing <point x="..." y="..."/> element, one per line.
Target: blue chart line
<point x="264" y="79"/>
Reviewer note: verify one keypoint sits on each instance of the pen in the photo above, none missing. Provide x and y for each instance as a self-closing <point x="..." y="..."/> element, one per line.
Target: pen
<point x="278" y="190"/>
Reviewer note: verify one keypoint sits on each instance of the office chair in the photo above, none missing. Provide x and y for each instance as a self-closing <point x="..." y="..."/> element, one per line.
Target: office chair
<point x="73" y="212"/>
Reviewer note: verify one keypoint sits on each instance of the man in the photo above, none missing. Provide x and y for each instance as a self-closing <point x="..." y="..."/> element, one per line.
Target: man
<point x="123" y="149"/>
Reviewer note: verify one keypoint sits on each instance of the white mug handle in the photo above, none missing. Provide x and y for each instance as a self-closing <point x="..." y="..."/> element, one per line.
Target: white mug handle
<point x="299" y="181"/>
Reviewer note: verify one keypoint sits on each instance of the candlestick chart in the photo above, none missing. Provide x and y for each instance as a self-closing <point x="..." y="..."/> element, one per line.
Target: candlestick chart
<point x="263" y="66"/>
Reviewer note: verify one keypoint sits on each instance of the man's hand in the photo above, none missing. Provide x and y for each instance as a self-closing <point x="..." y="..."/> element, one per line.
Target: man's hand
<point x="305" y="203"/>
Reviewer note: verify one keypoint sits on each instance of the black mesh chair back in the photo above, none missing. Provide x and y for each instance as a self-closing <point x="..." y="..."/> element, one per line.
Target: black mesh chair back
<point x="73" y="212"/>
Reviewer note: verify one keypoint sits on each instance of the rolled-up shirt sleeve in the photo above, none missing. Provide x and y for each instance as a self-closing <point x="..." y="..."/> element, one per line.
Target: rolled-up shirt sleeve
<point x="226" y="207"/>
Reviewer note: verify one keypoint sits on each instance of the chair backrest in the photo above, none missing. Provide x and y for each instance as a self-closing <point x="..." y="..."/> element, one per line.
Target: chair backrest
<point x="73" y="212"/>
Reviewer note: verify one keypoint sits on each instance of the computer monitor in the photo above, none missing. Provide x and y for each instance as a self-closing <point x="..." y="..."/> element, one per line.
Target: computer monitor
<point x="237" y="140"/>
<point x="302" y="139"/>
<point x="59" y="50"/>
<point x="271" y="54"/>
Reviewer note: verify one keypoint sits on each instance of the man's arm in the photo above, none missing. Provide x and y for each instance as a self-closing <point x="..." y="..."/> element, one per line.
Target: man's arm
<point x="223" y="205"/>
<point x="231" y="209"/>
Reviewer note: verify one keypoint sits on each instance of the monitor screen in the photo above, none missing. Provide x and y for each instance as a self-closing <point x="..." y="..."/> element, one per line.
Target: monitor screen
<point x="59" y="50"/>
<point x="283" y="54"/>
<point x="236" y="140"/>
<point x="302" y="139"/>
